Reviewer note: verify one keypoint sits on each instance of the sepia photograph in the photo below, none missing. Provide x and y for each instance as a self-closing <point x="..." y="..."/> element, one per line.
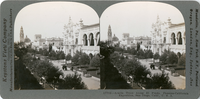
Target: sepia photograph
<point x="56" y="46"/>
<point x="143" y="46"/>
<point x="100" y="49"/>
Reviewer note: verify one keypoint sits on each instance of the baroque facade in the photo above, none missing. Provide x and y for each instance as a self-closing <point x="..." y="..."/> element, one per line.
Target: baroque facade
<point x="80" y="37"/>
<point x="166" y="35"/>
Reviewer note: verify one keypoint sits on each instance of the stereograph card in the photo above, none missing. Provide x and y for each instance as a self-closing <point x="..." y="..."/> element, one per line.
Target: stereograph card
<point x="81" y="49"/>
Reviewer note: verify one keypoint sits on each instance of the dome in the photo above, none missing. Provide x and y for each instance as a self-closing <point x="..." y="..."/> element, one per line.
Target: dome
<point x="27" y="40"/>
<point x="115" y="38"/>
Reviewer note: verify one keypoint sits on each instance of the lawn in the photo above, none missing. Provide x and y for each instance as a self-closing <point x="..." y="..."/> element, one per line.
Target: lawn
<point x="93" y="71"/>
<point x="178" y="69"/>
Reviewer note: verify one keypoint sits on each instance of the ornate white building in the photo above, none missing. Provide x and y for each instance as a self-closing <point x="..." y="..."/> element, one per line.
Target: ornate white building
<point x="80" y="37"/>
<point x="166" y="35"/>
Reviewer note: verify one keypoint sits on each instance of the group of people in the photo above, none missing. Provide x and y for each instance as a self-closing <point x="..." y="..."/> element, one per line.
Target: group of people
<point x="64" y="67"/>
<point x="152" y="66"/>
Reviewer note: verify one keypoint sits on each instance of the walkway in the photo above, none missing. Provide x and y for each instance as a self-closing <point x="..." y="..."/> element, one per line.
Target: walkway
<point x="91" y="82"/>
<point x="179" y="82"/>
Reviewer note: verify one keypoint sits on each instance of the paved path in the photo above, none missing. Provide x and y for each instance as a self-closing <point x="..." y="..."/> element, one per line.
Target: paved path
<point x="179" y="82"/>
<point x="91" y="82"/>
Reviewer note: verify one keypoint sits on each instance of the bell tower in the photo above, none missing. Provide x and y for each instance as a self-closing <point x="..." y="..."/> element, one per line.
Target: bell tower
<point x="21" y="34"/>
<point x="109" y="33"/>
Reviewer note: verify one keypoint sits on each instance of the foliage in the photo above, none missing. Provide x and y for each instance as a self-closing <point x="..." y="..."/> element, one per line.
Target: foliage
<point x="138" y="46"/>
<point x="160" y="81"/>
<point x="23" y="77"/>
<point x="149" y="54"/>
<point x="135" y="69"/>
<point x="84" y="59"/>
<point x="72" y="81"/>
<point x="68" y="57"/>
<point x="140" y="73"/>
<point x="182" y="60"/>
<point x="156" y="55"/>
<point x="95" y="62"/>
<point x="119" y="49"/>
<point x="20" y="49"/>
<point x="52" y="54"/>
<point x="172" y="58"/>
<point x="164" y="56"/>
<point x="114" y="58"/>
<point x="140" y="54"/>
<point x="75" y="58"/>
<point x="106" y="50"/>
<point x="61" y="55"/>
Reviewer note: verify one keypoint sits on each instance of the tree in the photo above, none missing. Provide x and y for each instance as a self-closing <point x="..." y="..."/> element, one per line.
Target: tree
<point x="135" y="69"/>
<point x="50" y="47"/>
<point x="75" y="58"/>
<point x="173" y="58"/>
<point x="72" y="81"/>
<point x="105" y="49"/>
<point x="68" y="57"/>
<point x="138" y="46"/>
<point x="114" y="57"/>
<point x="149" y="54"/>
<point x="163" y="57"/>
<point x="95" y="62"/>
<point x="20" y="50"/>
<point x="160" y="81"/>
<point x="182" y="60"/>
<point x="84" y="59"/>
<point x="61" y="55"/>
<point x="156" y="55"/>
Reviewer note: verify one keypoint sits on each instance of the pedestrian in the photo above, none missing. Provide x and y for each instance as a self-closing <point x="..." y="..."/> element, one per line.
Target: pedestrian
<point x="63" y="67"/>
<point x="159" y="67"/>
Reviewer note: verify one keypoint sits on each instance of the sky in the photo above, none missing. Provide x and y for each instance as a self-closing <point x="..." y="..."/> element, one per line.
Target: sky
<point x="49" y="18"/>
<point x="136" y="18"/>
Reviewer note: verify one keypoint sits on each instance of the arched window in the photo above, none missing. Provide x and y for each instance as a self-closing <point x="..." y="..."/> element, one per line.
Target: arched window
<point x="173" y="39"/>
<point x="85" y="40"/>
<point x="179" y="38"/>
<point x="98" y="38"/>
<point x="91" y="39"/>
